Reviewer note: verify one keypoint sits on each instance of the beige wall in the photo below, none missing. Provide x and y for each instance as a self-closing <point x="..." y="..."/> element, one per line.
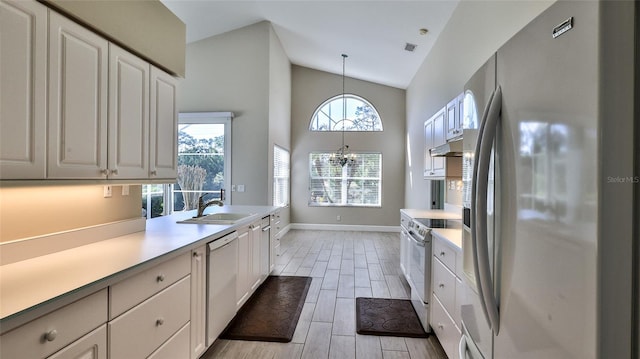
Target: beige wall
<point x="310" y="88"/>
<point x="475" y="31"/>
<point x="279" y="108"/>
<point x="37" y="210"/>
<point x="247" y="72"/>
<point x="147" y="27"/>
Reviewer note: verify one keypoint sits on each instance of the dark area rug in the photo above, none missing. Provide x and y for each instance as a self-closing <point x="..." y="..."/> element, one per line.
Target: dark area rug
<point x="272" y="312"/>
<point x="387" y="317"/>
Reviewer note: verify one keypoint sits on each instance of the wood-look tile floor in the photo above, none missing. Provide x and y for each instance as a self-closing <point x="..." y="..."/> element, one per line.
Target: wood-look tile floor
<point x="344" y="265"/>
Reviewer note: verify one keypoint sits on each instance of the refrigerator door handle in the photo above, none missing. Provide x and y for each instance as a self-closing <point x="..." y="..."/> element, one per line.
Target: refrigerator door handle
<point x="482" y="179"/>
<point x="467" y="348"/>
<point x="474" y="208"/>
<point x="462" y="348"/>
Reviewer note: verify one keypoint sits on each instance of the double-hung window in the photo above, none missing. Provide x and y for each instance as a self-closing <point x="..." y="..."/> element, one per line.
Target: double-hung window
<point x="281" y="176"/>
<point x="357" y="184"/>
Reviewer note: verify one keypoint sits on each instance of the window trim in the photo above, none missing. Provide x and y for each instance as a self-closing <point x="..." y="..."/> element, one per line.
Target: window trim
<point x="287" y="202"/>
<point x="351" y="205"/>
<point x="339" y="98"/>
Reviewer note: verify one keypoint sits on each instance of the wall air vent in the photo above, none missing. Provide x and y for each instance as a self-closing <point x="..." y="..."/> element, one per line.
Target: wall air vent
<point x="410" y="47"/>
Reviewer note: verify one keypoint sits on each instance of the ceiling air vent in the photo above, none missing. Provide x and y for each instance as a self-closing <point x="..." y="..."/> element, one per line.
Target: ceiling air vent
<point x="410" y="47"/>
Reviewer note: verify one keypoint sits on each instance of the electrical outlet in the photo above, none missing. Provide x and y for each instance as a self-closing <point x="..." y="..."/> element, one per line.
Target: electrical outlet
<point x="233" y="188"/>
<point x="338" y="218"/>
<point x="240" y="188"/>
<point x="107" y="191"/>
<point x="125" y="190"/>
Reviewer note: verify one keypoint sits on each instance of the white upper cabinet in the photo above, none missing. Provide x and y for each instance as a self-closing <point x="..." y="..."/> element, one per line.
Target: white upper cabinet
<point x="164" y="126"/>
<point x="78" y="67"/>
<point x="434" y="136"/>
<point x="75" y="106"/>
<point x="128" y="155"/>
<point x="23" y="103"/>
<point x="454" y="117"/>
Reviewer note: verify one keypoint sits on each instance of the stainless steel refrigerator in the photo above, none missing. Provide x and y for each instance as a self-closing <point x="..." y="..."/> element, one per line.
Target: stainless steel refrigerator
<point x="549" y="189"/>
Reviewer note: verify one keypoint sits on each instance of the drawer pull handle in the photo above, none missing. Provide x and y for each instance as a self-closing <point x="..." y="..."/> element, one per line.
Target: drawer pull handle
<point x="160" y="278"/>
<point x="159" y="322"/>
<point x="51" y="335"/>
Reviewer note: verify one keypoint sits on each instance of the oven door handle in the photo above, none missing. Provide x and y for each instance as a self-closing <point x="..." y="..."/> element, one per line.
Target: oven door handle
<point x="419" y="243"/>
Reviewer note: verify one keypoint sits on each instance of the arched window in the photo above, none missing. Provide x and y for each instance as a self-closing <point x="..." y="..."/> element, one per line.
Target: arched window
<point x="360" y="115"/>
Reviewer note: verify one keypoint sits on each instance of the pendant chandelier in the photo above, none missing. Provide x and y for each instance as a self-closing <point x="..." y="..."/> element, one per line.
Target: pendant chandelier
<point x="342" y="156"/>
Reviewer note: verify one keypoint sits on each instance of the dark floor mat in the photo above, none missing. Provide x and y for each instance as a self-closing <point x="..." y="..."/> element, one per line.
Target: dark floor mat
<point x="272" y="313"/>
<point x="388" y="317"/>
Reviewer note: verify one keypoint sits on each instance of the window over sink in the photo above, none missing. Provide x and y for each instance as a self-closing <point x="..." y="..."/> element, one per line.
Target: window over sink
<point x="204" y="165"/>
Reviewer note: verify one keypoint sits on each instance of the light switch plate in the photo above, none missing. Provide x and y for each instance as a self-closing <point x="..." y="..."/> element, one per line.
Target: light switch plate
<point x="125" y="190"/>
<point x="107" y="191"/>
<point x="240" y="188"/>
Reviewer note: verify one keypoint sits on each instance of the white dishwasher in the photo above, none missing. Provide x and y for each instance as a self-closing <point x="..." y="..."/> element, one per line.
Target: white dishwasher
<point x="222" y="270"/>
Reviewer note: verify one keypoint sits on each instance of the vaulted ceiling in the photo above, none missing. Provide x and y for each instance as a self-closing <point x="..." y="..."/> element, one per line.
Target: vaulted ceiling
<point x="314" y="34"/>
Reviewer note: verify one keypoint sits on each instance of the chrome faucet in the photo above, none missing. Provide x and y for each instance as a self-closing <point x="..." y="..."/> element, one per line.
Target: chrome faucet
<point x="202" y="205"/>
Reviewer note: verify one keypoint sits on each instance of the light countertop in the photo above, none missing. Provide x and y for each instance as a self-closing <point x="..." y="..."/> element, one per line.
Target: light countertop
<point x="453" y="235"/>
<point x="431" y="213"/>
<point x="31" y="283"/>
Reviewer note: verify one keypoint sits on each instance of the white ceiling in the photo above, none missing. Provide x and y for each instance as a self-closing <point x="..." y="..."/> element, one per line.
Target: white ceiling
<point x="315" y="33"/>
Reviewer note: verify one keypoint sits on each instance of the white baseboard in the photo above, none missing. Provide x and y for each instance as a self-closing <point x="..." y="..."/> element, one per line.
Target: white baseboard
<point x="345" y="227"/>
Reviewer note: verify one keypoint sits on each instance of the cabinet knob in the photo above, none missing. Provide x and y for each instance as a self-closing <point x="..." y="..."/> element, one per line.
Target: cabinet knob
<point x="196" y="255"/>
<point x="154" y="173"/>
<point x="442" y="254"/>
<point x="440" y="326"/>
<point x="104" y="171"/>
<point x="113" y="172"/>
<point x="159" y="322"/>
<point x="160" y="278"/>
<point x="441" y="285"/>
<point x="51" y="335"/>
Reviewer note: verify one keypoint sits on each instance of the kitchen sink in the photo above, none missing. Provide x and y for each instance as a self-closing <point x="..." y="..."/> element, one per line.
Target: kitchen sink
<point x="217" y="218"/>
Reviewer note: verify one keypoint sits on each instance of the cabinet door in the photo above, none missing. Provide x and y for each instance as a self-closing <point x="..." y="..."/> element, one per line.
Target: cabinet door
<point x="128" y="156"/>
<point x="198" y="301"/>
<point x="78" y="66"/>
<point x="439" y="136"/>
<point x="91" y="346"/>
<point x="256" y="255"/>
<point x="460" y="113"/>
<point x="453" y="119"/>
<point x="23" y="71"/>
<point x="428" y="144"/>
<point x="244" y="261"/>
<point x="265" y="249"/>
<point x="164" y="126"/>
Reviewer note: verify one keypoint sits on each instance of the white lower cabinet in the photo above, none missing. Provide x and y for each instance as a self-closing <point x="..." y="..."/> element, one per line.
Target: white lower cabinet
<point x="198" y="301"/>
<point x="445" y="329"/>
<point x="174" y="347"/>
<point x="91" y="346"/>
<point x="141" y="330"/>
<point x="57" y="330"/>
<point x="446" y="291"/>
<point x="249" y="254"/>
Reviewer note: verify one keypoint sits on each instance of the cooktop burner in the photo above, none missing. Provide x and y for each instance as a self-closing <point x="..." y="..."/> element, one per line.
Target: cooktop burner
<point x="432" y="223"/>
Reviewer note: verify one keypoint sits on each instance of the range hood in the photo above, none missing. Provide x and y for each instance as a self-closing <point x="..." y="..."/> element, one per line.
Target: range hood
<point x="449" y="149"/>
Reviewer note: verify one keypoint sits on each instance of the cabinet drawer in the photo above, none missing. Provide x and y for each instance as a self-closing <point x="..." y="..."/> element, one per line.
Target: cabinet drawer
<point x="444" y="253"/>
<point x="444" y="328"/>
<point x="444" y="285"/>
<point x="132" y="291"/>
<point x="52" y="332"/>
<point x="176" y="347"/>
<point x="91" y="346"/>
<point x="138" y="332"/>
